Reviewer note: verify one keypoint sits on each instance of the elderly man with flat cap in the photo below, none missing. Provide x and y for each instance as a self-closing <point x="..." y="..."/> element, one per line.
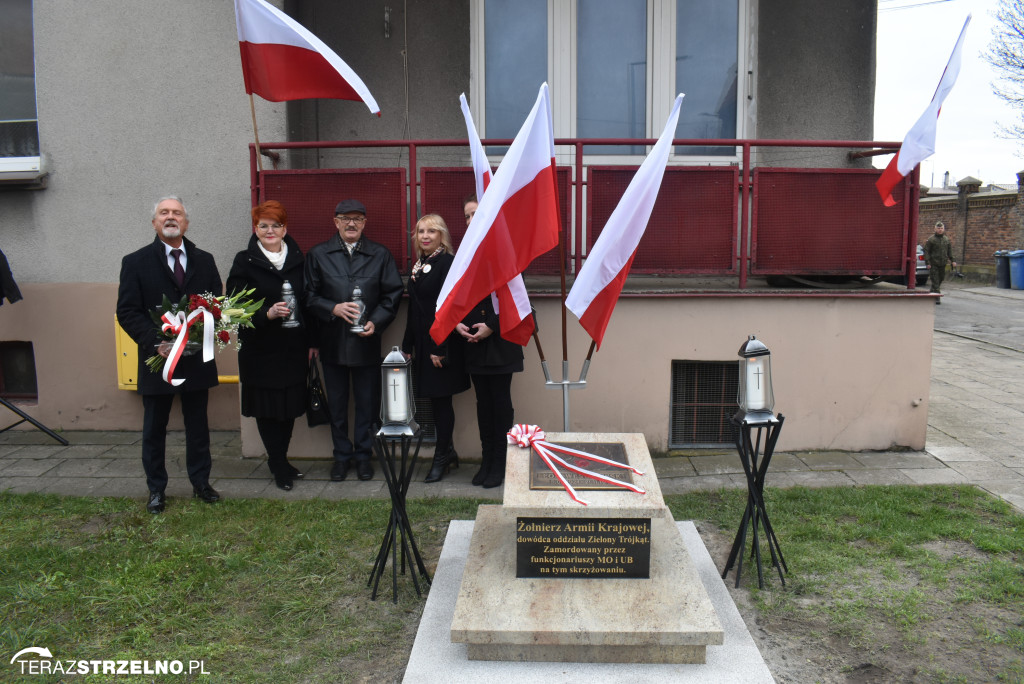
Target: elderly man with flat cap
<point x="351" y="359"/>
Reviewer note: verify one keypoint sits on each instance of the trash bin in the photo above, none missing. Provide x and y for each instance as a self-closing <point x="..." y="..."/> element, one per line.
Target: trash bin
<point x="1002" y="269"/>
<point x="1016" y="269"/>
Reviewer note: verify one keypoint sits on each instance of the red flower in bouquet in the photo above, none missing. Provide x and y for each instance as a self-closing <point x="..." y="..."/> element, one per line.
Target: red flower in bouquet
<point x="211" y="304"/>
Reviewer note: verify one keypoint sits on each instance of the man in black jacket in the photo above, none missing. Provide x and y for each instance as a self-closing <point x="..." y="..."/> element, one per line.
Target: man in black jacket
<point x="333" y="270"/>
<point x="171" y="266"/>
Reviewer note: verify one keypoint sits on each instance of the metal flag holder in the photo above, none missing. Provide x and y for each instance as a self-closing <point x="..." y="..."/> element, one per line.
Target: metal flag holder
<point x="565" y="384"/>
<point x="755" y="515"/>
<point x="398" y="474"/>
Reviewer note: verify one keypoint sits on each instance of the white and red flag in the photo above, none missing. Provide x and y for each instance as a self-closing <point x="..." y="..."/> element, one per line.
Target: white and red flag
<point x="510" y="300"/>
<point x="281" y="60"/>
<point x="597" y="287"/>
<point x="920" y="141"/>
<point x="516" y="221"/>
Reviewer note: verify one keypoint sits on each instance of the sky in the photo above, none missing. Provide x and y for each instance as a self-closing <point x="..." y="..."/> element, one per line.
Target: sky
<point x="913" y="46"/>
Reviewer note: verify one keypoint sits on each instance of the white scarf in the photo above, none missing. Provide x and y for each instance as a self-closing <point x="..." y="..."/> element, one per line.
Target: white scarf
<point x="276" y="258"/>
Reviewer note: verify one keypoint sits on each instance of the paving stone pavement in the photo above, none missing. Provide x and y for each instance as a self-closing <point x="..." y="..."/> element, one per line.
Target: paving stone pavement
<point x="975" y="433"/>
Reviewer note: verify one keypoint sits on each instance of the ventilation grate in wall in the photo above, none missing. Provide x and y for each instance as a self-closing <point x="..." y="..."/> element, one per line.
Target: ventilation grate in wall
<point x="703" y="399"/>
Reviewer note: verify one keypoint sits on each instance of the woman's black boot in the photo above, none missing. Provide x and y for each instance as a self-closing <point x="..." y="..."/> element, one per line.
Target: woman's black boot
<point x="485" y="468"/>
<point x="496" y="474"/>
<point x="442" y="463"/>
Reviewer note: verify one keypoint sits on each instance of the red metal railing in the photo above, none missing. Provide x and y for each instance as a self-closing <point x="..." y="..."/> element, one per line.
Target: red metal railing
<point x="728" y="219"/>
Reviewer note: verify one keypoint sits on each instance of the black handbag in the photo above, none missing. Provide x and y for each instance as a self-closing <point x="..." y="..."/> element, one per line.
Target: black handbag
<point x="316" y="399"/>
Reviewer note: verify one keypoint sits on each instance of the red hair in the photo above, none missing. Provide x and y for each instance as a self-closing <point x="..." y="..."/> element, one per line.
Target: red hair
<point x="271" y="209"/>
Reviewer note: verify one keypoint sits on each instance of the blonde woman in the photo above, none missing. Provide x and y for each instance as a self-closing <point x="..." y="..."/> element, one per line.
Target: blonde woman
<point x="438" y="371"/>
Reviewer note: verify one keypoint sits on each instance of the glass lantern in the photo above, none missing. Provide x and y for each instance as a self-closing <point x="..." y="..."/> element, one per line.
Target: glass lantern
<point x="397" y="404"/>
<point x="755" y="396"/>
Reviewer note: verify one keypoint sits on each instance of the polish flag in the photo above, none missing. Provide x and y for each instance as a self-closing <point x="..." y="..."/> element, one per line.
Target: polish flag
<point x="516" y="222"/>
<point x="511" y="298"/>
<point x="282" y="61"/>
<point x="597" y="287"/>
<point x="920" y="141"/>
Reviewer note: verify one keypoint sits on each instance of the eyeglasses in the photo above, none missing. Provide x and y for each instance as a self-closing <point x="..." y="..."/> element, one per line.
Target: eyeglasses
<point x="351" y="219"/>
<point x="264" y="227"/>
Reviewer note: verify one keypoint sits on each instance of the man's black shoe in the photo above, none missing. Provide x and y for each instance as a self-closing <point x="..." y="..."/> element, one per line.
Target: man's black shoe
<point x="157" y="501"/>
<point x="206" y="493"/>
<point x="365" y="470"/>
<point x="339" y="471"/>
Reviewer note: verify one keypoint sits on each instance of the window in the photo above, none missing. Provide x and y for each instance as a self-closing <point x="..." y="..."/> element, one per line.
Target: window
<point x="706" y="70"/>
<point x="614" y="67"/>
<point x="19" y="134"/>
<point x="17" y="371"/>
<point x="517" y="62"/>
<point x="611" y="72"/>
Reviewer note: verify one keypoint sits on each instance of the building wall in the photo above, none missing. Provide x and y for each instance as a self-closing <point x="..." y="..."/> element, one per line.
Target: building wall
<point x="135" y="101"/>
<point x="144" y="99"/>
<point x="826" y="350"/>
<point x="815" y="77"/>
<point x="849" y="371"/>
<point x="416" y="76"/>
<point x="813" y="71"/>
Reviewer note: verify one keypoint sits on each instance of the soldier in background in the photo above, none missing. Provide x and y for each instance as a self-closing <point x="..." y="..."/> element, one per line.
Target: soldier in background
<point x="937" y="251"/>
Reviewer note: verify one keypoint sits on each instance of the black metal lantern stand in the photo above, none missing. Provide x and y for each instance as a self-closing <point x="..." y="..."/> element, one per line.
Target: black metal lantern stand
<point x="752" y="423"/>
<point x="397" y="445"/>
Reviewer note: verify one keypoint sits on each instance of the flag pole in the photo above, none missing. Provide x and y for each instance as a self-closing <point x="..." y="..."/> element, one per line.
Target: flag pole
<point x="256" y="134"/>
<point x="586" y="363"/>
<point x="561" y="270"/>
<point x="565" y="384"/>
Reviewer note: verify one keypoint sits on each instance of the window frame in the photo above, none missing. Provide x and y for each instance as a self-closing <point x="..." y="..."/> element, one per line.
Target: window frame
<point x="18" y="169"/>
<point x="661" y="76"/>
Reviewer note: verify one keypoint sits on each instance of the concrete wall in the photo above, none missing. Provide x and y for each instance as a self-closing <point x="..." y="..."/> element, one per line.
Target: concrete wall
<point x="815" y="76"/>
<point x="136" y="101"/>
<point x="415" y="75"/>
<point x="850" y="372"/>
<point x="72" y="333"/>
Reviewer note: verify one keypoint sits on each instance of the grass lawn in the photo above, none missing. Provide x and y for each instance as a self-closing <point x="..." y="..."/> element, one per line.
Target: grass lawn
<point x="270" y="590"/>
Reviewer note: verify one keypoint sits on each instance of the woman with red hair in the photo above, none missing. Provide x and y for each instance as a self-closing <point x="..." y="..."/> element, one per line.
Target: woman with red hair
<point x="273" y="356"/>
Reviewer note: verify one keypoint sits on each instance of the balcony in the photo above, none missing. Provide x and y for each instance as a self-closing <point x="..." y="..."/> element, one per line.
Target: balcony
<point x="731" y="225"/>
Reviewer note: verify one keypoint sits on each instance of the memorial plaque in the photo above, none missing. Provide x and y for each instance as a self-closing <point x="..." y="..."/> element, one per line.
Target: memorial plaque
<point x="591" y="548"/>
<point x="541" y="476"/>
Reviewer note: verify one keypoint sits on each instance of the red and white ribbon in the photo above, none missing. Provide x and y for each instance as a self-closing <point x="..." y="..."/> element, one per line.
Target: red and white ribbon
<point x="179" y="324"/>
<point x="531" y="436"/>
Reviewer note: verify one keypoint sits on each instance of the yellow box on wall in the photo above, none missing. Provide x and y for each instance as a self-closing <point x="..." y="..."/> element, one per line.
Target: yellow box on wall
<point x="127" y="358"/>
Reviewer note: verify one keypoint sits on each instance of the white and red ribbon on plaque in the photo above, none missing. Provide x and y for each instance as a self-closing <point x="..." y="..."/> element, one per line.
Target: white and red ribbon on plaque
<point x="179" y="325"/>
<point x="531" y="436"/>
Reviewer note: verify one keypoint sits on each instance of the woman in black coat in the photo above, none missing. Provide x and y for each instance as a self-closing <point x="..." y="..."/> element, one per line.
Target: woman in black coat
<point x="490" y="361"/>
<point x="437" y="368"/>
<point x="273" y="357"/>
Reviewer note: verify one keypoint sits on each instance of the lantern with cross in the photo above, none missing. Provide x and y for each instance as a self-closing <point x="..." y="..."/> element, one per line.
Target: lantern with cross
<point x="397" y="405"/>
<point x="755" y="397"/>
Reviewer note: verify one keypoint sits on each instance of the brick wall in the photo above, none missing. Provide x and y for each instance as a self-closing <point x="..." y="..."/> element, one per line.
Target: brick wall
<point x="992" y="222"/>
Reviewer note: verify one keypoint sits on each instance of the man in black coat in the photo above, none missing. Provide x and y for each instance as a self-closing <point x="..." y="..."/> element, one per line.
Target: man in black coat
<point x="171" y="266"/>
<point x="333" y="270"/>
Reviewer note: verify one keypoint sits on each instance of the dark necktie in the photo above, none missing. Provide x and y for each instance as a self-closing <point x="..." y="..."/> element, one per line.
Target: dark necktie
<point x="179" y="270"/>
